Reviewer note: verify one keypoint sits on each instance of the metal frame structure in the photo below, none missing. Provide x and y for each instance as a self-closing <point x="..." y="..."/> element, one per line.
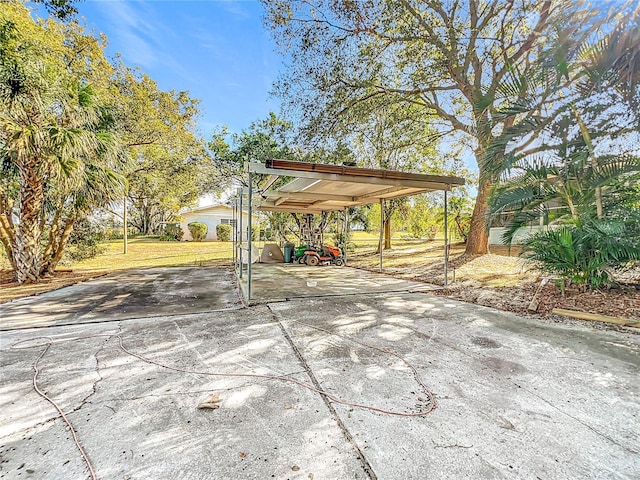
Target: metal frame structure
<point x="317" y="188"/>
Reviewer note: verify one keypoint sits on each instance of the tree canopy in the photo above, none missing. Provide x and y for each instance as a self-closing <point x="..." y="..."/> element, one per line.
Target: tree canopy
<point x="78" y="132"/>
<point x="458" y="62"/>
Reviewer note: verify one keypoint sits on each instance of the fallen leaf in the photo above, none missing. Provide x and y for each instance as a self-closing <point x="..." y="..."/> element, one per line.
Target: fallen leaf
<point x="295" y="468"/>
<point x="311" y="476"/>
<point x="211" y="402"/>
<point x="242" y="454"/>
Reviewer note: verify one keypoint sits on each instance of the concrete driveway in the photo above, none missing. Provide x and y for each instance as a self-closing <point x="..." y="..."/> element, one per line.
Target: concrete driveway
<point x="516" y="398"/>
<point x="126" y="295"/>
<point x="285" y="281"/>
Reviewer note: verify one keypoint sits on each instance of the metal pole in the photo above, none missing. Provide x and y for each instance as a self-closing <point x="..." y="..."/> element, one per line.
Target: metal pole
<point x="345" y="233"/>
<point x="233" y="233"/>
<point x="250" y="240"/>
<point x="240" y="232"/>
<point x="446" y="240"/>
<point x="381" y="230"/>
<point x="125" y="233"/>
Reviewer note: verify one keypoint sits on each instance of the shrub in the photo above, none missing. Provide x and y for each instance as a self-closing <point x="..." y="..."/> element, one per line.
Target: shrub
<point x="171" y="232"/>
<point x="223" y="232"/>
<point x="198" y="231"/>
<point x="584" y="253"/>
<point x="84" y="242"/>
<point x="255" y="231"/>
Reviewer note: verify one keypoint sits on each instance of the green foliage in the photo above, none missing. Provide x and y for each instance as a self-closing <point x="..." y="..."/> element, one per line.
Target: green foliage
<point x="343" y="240"/>
<point x="62" y="9"/>
<point x="264" y="139"/>
<point x="223" y="232"/>
<point x="404" y="74"/>
<point x="423" y="220"/>
<point x="584" y="163"/>
<point x="78" y="133"/>
<point x="584" y="253"/>
<point x="566" y="189"/>
<point x="171" y="232"/>
<point x="461" y="212"/>
<point x="198" y="231"/>
<point x="172" y="167"/>
<point x="255" y="232"/>
<point x="56" y="136"/>
<point x="84" y="242"/>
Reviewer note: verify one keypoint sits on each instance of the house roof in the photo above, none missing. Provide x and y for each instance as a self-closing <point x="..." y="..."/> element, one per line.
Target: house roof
<point x="215" y="206"/>
<point x="316" y="188"/>
<point x="212" y="208"/>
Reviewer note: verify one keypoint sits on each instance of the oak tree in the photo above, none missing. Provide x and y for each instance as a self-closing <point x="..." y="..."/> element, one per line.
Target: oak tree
<point x="451" y="58"/>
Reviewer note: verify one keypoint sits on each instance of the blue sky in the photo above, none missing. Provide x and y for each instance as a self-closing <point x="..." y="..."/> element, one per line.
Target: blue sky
<point x="218" y="50"/>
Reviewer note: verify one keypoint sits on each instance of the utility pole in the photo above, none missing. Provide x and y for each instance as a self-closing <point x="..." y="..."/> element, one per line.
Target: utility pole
<point x="124" y="221"/>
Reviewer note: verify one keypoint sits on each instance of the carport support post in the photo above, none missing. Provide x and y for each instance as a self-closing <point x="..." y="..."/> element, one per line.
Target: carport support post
<point x="446" y="240"/>
<point x="240" y="232"/>
<point x="345" y="233"/>
<point x="234" y="232"/>
<point x="249" y="240"/>
<point x="381" y="230"/>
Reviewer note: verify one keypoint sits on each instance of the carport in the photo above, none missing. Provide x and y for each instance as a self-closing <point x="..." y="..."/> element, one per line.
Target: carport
<point x="317" y="188"/>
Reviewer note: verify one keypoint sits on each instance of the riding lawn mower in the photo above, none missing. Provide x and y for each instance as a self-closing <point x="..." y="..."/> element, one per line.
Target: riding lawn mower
<point x="326" y="255"/>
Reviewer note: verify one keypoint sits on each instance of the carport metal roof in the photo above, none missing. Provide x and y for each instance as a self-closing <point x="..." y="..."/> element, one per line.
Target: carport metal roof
<point x="317" y="188"/>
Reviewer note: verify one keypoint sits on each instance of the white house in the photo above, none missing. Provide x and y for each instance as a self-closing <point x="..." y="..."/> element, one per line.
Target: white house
<point x="211" y="216"/>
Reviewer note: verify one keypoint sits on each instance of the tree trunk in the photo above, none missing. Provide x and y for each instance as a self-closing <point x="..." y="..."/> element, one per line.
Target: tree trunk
<point x="8" y="247"/>
<point x="50" y="268"/>
<point x="387" y="232"/>
<point x="7" y="237"/>
<point x="478" y="240"/>
<point x="27" y="253"/>
<point x="53" y="236"/>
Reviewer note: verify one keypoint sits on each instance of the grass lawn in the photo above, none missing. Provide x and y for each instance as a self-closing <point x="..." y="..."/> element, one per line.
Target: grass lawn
<point x="149" y="253"/>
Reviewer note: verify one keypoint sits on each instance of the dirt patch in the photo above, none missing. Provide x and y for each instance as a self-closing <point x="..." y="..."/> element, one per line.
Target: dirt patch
<point x="617" y="303"/>
<point x="504" y="281"/>
<point x="10" y="289"/>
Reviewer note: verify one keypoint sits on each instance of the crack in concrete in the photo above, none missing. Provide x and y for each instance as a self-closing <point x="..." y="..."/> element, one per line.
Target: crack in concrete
<point x="94" y="385"/>
<point x="84" y="401"/>
<point x="366" y="466"/>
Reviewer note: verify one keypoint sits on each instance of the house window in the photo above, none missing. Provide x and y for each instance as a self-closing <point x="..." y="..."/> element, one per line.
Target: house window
<point x="227" y="221"/>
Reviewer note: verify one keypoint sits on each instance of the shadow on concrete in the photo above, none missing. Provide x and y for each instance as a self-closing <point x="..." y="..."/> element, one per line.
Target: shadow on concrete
<point x="125" y="295"/>
<point x="286" y="281"/>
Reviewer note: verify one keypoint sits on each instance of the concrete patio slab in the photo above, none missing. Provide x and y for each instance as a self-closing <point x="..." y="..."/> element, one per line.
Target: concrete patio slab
<point x="517" y="398"/>
<point x="279" y="282"/>
<point x="138" y="420"/>
<point x="130" y="294"/>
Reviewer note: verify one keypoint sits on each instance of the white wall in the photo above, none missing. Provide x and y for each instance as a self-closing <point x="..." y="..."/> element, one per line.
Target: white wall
<point x="211" y="219"/>
<point x="495" y="234"/>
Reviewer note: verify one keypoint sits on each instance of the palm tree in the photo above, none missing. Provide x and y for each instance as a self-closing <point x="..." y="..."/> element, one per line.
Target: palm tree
<point x="48" y="127"/>
<point x="95" y="183"/>
<point x="564" y="165"/>
<point x="582" y="171"/>
<point x="561" y="193"/>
